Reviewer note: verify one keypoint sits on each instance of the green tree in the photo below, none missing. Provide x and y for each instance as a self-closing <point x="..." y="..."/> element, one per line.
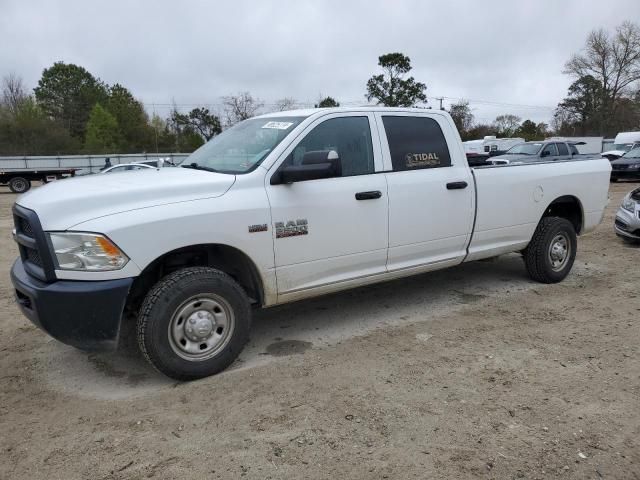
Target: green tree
<point x="479" y="131"/>
<point x="580" y="113"/>
<point x="391" y="88"/>
<point x="461" y="114"/>
<point x="327" y="102"/>
<point x="529" y="130"/>
<point x="24" y="128"/>
<point x="135" y="133"/>
<point x="67" y="93"/>
<point x="30" y="132"/>
<point x="103" y="133"/>
<point x="198" y="120"/>
<point x="163" y="139"/>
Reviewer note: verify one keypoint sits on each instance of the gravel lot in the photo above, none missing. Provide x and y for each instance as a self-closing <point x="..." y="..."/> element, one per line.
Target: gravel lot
<point x="472" y="372"/>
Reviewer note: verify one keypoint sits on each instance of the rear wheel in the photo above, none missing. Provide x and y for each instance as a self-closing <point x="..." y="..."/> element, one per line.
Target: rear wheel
<point x="19" y="185"/>
<point x="194" y="323"/>
<point x="552" y="250"/>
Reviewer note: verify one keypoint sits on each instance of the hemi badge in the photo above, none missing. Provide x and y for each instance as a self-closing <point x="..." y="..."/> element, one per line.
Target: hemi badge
<point x="258" y="228"/>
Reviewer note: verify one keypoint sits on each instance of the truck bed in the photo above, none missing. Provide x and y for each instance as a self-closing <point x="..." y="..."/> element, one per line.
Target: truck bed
<point x="511" y="199"/>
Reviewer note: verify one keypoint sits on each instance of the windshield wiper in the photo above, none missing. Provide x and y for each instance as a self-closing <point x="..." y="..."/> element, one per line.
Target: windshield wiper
<point x="195" y="166"/>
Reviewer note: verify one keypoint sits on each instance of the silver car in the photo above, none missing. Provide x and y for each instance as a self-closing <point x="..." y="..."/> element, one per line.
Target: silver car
<point x="627" y="224"/>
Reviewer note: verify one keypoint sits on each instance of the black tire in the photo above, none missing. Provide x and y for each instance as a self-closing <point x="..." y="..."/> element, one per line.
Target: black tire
<point x="19" y="184"/>
<point x="161" y="315"/>
<point x="538" y="256"/>
<point x="613" y="180"/>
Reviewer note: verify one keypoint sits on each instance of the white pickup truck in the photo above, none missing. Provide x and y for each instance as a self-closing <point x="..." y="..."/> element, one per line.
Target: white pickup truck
<point x="279" y="208"/>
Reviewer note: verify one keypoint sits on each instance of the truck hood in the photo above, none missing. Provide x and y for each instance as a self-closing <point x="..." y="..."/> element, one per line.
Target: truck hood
<point x="618" y="153"/>
<point x="64" y="203"/>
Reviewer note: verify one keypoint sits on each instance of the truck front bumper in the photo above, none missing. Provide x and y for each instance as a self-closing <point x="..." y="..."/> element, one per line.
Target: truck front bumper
<point x="84" y="314"/>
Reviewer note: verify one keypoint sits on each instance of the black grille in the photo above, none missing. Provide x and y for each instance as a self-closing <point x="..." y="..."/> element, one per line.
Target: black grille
<point x="33" y="256"/>
<point x="619" y="167"/>
<point x="33" y="244"/>
<point x="25" y="227"/>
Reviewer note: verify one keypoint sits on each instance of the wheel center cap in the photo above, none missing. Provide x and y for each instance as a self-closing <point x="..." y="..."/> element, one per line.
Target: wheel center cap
<point x="199" y="326"/>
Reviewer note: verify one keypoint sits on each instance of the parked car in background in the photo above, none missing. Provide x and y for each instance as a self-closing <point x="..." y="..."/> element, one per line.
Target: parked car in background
<point x="623" y="142"/>
<point x="626" y="167"/>
<point x="627" y="222"/>
<point x="545" y="151"/>
<point x="585" y="145"/>
<point x="126" y="167"/>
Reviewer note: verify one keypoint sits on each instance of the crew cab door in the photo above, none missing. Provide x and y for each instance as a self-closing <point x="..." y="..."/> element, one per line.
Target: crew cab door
<point x="431" y="190"/>
<point x="330" y="230"/>
<point x="563" y="151"/>
<point x="549" y="152"/>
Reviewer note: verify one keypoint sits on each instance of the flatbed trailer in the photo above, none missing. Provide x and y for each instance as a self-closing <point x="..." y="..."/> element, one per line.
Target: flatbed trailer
<point x="19" y="181"/>
<point x="17" y="172"/>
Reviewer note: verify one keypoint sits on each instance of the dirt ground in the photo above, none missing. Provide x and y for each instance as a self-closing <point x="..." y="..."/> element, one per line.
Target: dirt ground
<point x="472" y="372"/>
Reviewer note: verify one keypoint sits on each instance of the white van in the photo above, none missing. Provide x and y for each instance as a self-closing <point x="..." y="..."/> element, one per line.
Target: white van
<point x="623" y="142"/>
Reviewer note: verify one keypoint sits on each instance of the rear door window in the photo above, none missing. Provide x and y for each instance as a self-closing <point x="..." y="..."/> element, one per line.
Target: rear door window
<point x="416" y="143"/>
<point x="562" y="149"/>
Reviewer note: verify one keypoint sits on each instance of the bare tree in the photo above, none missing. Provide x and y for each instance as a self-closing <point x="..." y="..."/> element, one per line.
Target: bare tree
<point x="614" y="60"/>
<point x="461" y="114"/>
<point x="286" y="103"/>
<point x="240" y="107"/>
<point x="506" y="125"/>
<point x="13" y="93"/>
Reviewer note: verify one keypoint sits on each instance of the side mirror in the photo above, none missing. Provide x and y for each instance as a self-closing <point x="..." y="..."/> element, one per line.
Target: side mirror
<point x="545" y="153"/>
<point x="315" y="165"/>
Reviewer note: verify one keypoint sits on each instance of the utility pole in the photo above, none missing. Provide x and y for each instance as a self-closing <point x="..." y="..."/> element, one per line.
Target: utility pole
<point x="441" y="99"/>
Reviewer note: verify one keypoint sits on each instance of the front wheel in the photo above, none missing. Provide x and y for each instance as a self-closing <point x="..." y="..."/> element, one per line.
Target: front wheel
<point x="552" y="250"/>
<point x="194" y="323"/>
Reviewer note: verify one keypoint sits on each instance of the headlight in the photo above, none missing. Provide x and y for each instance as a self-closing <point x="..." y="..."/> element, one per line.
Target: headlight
<point x="86" y="251"/>
<point x="634" y="166"/>
<point x="629" y="205"/>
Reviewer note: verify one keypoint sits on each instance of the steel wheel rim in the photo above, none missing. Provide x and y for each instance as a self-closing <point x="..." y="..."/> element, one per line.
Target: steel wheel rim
<point x="559" y="251"/>
<point x="201" y="327"/>
<point x="19" y="185"/>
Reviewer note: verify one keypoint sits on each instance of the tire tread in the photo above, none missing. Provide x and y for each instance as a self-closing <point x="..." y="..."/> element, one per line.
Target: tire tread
<point x="169" y="283"/>
<point x="535" y="253"/>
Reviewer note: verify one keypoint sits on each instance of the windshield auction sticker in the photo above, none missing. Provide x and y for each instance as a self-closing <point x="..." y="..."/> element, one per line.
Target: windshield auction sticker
<point x="278" y="125"/>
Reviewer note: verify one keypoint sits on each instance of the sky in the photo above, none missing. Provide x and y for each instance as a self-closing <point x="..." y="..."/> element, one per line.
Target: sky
<point x="501" y="56"/>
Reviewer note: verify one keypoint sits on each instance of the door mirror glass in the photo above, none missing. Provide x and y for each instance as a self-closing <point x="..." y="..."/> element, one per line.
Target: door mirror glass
<point x="315" y="165"/>
<point x="545" y="153"/>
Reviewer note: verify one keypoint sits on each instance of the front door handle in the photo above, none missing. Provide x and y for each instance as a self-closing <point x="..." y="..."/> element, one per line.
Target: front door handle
<point x="456" y="185"/>
<point x="368" y="195"/>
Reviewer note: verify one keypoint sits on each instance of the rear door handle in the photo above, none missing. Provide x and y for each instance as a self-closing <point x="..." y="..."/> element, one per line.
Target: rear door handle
<point x="456" y="185"/>
<point x="368" y="195"/>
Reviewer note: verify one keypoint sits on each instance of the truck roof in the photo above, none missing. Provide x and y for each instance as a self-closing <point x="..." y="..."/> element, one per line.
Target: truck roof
<point x="307" y="112"/>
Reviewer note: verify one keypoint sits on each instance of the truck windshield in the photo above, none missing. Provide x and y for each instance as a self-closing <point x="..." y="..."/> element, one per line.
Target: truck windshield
<point x="525" y="149"/>
<point x="625" y="147"/>
<point x="242" y="147"/>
